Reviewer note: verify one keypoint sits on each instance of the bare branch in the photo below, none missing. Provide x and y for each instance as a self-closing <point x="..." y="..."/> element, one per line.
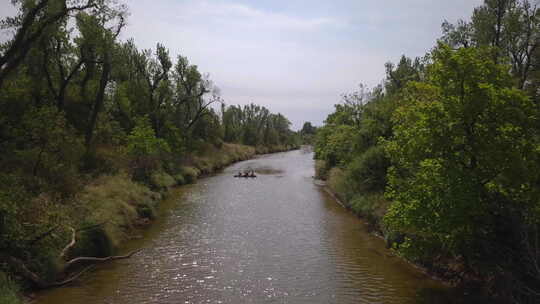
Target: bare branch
<point x="71" y="279"/>
<point x="105" y="259"/>
<point x="70" y="245"/>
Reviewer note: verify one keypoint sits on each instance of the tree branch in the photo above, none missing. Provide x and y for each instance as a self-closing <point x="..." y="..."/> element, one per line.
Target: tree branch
<point x="105" y="259"/>
<point x="70" y="245"/>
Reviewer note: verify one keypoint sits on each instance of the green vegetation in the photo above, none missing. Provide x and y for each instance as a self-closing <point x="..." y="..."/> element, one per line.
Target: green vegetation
<point x="255" y="126"/>
<point x="94" y="130"/>
<point x="307" y="133"/>
<point x="443" y="157"/>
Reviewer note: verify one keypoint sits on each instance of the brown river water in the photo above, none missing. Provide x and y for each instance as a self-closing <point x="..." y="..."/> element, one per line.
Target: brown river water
<point x="277" y="238"/>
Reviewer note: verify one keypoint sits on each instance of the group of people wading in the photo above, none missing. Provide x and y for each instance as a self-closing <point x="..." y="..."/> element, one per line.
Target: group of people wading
<point x="249" y="173"/>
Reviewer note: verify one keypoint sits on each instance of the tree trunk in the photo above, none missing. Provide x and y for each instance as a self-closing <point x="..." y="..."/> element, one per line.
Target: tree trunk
<point x="100" y="98"/>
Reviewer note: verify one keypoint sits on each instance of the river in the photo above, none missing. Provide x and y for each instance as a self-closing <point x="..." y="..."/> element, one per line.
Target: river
<point x="277" y="238"/>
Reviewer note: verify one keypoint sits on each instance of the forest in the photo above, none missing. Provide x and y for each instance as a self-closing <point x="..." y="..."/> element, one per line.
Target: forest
<point x="443" y="157"/>
<point x="93" y="131"/>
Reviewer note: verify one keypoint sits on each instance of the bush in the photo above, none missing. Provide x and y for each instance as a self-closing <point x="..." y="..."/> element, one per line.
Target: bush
<point x="142" y="140"/>
<point x="335" y="144"/>
<point x="179" y="178"/>
<point x="146" y="149"/>
<point x="190" y="174"/>
<point x="321" y="169"/>
<point x="161" y="180"/>
<point x="93" y="242"/>
<point x="372" y="207"/>
<point x="367" y="172"/>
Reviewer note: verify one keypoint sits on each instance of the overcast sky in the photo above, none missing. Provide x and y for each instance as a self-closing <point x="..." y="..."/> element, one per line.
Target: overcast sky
<point x="297" y="56"/>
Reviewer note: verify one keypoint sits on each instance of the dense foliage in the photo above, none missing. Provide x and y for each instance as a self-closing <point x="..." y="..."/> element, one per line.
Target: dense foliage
<point x="78" y="103"/>
<point x="452" y="142"/>
<point x="256" y="126"/>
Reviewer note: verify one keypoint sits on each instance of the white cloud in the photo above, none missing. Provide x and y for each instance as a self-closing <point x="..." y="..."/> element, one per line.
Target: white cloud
<point x="233" y="14"/>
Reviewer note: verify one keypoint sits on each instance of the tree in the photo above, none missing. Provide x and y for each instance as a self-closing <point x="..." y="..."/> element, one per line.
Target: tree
<point x="106" y="38"/>
<point x="511" y="27"/>
<point x="406" y="70"/>
<point x="464" y="165"/>
<point x="458" y="35"/>
<point x="34" y="19"/>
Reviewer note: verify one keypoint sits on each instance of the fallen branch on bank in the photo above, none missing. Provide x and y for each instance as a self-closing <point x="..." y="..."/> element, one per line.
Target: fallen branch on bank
<point x="70" y="245"/>
<point x="70" y="279"/>
<point x="104" y="259"/>
<point x="20" y="266"/>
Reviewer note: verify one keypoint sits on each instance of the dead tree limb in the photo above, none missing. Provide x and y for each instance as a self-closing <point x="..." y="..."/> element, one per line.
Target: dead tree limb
<point x="70" y="245"/>
<point x="104" y="259"/>
<point x="20" y="267"/>
<point x="23" y="270"/>
<point x="72" y="278"/>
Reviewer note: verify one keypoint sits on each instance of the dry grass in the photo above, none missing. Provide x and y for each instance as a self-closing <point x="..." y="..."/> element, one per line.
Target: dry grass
<point x="214" y="159"/>
<point x="336" y="183"/>
<point x="321" y="169"/>
<point x="370" y="206"/>
<point x="116" y="201"/>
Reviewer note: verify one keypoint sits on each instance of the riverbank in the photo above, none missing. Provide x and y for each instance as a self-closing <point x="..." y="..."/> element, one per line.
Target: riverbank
<point x="371" y="208"/>
<point x="107" y="211"/>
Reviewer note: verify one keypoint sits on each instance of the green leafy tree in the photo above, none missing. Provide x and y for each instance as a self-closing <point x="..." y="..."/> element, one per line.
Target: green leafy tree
<point x="465" y="164"/>
<point x="334" y="144"/>
<point x="146" y="149"/>
<point x="511" y="28"/>
<point x="142" y="140"/>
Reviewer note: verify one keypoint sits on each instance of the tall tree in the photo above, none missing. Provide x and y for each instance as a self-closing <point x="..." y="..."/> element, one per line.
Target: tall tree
<point x="35" y="17"/>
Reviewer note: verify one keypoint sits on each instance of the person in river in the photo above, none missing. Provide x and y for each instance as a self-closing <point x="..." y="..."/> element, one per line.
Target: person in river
<point x="246" y="173"/>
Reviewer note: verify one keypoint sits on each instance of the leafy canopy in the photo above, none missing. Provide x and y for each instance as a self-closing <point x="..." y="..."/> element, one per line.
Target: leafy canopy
<point x="462" y="143"/>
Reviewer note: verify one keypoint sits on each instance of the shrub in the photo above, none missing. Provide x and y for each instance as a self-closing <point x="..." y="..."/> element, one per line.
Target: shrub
<point x="93" y="242"/>
<point x="335" y="144"/>
<point x="190" y="174"/>
<point x="367" y="172"/>
<point x="142" y="140"/>
<point x="179" y="178"/>
<point x="143" y="144"/>
<point x="161" y="180"/>
<point x="372" y="207"/>
<point x="321" y="169"/>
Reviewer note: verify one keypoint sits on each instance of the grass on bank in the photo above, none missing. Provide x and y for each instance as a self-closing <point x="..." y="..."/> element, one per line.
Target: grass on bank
<point x="371" y="206"/>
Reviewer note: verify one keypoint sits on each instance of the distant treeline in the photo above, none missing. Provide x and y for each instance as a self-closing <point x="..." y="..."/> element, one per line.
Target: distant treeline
<point x="255" y="126"/>
<point x="443" y="158"/>
<point x="77" y="103"/>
